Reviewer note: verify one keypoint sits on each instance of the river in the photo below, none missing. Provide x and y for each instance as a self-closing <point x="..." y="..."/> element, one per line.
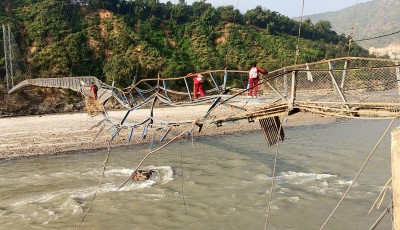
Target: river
<point x="211" y="183"/>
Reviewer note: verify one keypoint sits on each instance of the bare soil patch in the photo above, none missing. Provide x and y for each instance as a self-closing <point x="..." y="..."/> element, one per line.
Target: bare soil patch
<point x="56" y="133"/>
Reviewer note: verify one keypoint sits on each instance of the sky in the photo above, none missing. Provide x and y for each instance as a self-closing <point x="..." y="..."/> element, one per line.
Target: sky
<point x="290" y="8"/>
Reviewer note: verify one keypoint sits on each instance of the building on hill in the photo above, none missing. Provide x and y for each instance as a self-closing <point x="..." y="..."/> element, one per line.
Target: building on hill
<point x="392" y="50"/>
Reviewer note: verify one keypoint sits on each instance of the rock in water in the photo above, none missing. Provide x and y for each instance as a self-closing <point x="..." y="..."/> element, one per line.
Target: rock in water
<point x="142" y="174"/>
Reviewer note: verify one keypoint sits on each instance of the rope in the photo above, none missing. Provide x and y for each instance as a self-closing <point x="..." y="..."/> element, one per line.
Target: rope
<point x="273" y="174"/>
<point x="384" y="190"/>
<point x="183" y="194"/>
<point x="100" y="181"/>
<point x="353" y="29"/>
<point x="298" y="37"/>
<point x="359" y="172"/>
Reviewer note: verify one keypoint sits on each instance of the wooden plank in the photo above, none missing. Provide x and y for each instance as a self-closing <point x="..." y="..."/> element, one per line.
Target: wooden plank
<point x="293" y="90"/>
<point x="395" y="151"/>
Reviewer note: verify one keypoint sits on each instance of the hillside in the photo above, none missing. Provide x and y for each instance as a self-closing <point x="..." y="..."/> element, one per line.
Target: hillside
<point x="374" y="18"/>
<point x="116" y="40"/>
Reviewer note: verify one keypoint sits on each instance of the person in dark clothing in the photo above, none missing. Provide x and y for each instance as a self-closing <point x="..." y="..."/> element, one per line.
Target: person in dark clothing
<point x="94" y="89"/>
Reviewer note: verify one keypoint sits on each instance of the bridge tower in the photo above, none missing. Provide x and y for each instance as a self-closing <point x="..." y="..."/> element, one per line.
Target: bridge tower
<point x="8" y="56"/>
<point x="16" y="69"/>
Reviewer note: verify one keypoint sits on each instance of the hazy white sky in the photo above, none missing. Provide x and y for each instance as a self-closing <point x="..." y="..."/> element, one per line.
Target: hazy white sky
<point x="290" y="8"/>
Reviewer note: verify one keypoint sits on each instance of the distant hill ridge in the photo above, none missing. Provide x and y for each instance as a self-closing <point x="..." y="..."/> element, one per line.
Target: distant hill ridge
<point x="373" y="18"/>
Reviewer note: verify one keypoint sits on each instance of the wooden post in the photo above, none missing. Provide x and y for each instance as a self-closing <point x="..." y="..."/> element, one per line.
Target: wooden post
<point x="285" y="84"/>
<point x="309" y="74"/>
<point x="398" y="75"/>
<point x="396" y="177"/>
<point x="225" y="79"/>
<point x="293" y="90"/>
<point x="344" y="74"/>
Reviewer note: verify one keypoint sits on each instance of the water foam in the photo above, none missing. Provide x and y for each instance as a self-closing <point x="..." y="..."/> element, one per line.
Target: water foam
<point x="163" y="174"/>
<point x="319" y="183"/>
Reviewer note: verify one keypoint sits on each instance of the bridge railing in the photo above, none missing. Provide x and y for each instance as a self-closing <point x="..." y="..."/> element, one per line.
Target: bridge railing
<point x="342" y="83"/>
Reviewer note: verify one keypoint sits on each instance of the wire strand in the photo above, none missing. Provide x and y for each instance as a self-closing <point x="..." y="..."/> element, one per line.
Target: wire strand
<point x="273" y="173"/>
<point x="353" y="29"/>
<point x="298" y="37"/>
<point x="359" y="172"/>
<point x="381" y="36"/>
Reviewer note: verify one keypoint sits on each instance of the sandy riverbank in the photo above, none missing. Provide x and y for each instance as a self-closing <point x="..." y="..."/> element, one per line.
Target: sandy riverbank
<point x="57" y="133"/>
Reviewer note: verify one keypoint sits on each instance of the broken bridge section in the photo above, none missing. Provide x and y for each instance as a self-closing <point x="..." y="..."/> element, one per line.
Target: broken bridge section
<point x="351" y="87"/>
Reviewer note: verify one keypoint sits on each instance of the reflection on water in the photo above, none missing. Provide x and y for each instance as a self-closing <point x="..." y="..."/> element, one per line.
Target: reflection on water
<point x="225" y="182"/>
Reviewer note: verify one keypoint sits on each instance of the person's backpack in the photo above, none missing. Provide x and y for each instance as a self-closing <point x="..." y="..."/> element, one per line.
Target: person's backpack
<point x="95" y="88"/>
<point x="253" y="72"/>
<point x="200" y="78"/>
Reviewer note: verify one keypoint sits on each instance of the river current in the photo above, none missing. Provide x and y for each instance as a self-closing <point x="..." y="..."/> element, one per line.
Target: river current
<point x="211" y="183"/>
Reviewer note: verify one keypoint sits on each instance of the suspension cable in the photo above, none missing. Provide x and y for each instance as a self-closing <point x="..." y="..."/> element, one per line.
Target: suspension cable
<point x="381" y="36"/>
<point x="273" y="172"/>
<point x="106" y="160"/>
<point x="298" y="37"/>
<point x="352" y="34"/>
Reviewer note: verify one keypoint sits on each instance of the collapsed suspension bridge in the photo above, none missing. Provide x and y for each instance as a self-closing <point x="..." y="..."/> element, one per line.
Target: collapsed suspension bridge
<point x="346" y="87"/>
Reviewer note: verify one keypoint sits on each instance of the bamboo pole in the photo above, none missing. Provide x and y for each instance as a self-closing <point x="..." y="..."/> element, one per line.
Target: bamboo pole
<point x="396" y="177"/>
<point x="285" y="84"/>
<point x="293" y="90"/>
<point x="398" y="75"/>
<point x="188" y="90"/>
<point x="344" y="74"/>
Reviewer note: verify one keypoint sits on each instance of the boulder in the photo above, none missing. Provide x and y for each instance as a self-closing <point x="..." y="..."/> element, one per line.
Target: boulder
<point x="142" y="174"/>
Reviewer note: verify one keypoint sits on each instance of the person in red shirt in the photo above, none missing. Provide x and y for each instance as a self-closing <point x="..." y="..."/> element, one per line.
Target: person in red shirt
<point x="94" y="89"/>
<point x="198" y="80"/>
<point x="254" y="77"/>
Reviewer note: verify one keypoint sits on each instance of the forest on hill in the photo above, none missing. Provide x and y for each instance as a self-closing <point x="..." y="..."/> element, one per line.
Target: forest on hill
<point x="118" y="39"/>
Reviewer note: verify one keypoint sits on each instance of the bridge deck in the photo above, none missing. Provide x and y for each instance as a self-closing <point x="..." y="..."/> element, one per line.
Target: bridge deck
<point x="78" y="84"/>
<point x="344" y="86"/>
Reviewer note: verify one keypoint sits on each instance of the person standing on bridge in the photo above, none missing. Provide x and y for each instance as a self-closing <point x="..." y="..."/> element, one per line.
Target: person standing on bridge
<point x="94" y="89"/>
<point x="198" y="80"/>
<point x="254" y="77"/>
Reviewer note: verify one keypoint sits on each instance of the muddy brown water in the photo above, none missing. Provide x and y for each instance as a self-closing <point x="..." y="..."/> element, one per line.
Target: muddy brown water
<point x="221" y="182"/>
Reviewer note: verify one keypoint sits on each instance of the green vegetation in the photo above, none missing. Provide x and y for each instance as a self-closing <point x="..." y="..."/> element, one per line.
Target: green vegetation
<point x="117" y="39"/>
